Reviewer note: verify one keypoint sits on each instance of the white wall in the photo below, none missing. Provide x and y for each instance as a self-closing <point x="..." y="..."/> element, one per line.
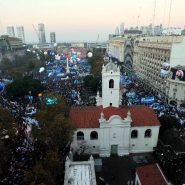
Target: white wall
<point x="90" y="142"/>
<point x="110" y="95"/>
<point x="177" y="54"/>
<point x="142" y="143"/>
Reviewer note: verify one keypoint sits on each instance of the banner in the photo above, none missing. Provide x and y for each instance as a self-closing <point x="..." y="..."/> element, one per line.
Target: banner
<point x="51" y="101"/>
<point x="148" y="100"/>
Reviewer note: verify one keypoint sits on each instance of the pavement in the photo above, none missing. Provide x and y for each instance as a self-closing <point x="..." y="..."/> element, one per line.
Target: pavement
<point x="118" y="170"/>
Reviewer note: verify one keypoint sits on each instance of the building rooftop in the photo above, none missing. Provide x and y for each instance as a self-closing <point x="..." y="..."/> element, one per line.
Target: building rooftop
<point x="88" y="117"/>
<point x="150" y="175"/>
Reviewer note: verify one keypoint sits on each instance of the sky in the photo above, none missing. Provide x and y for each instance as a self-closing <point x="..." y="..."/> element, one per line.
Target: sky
<point x="83" y="20"/>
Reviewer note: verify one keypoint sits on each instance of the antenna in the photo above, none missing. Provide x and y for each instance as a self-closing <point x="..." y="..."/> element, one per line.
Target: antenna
<point x="169" y="15"/>
<point x="1" y="26"/>
<point x="138" y="18"/>
<point x="164" y="12"/>
<point x="154" y="15"/>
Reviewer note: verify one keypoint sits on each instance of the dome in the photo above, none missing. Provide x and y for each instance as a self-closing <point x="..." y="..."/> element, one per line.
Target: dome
<point x="111" y="67"/>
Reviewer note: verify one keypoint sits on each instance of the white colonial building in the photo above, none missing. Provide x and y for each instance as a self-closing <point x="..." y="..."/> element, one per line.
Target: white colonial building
<point x="110" y="128"/>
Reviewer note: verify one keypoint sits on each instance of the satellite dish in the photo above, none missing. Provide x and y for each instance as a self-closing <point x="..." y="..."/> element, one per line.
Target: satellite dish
<point x="89" y="54"/>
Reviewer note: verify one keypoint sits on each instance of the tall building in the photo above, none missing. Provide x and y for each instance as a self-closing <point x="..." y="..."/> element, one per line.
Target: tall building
<point x="10" y="31"/>
<point x="52" y="37"/>
<point x="20" y="33"/>
<point x="42" y="36"/>
<point x="122" y="29"/>
<point x="117" y="31"/>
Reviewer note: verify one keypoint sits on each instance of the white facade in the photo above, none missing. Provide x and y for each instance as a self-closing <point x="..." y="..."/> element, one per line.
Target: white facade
<point x="110" y="84"/>
<point x="113" y="133"/>
<point x="117" y="31"/>
<point x="20" y="33"/>
<point x="52" y="37"/>
<point x="42" y="36"/>
<point x="82" y="173"/>
<point x="122" y="29"/>
<point x="10" y="31"/>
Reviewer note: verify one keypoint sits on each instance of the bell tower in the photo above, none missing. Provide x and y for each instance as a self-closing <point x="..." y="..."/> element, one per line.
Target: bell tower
<point x="110" y="85"/>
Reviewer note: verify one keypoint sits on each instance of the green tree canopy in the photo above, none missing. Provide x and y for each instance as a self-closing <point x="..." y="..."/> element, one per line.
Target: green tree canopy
<point x="97" y="57"/>
<point x="91" y="81"/>
<point x="7" y="128"/>
<point x="22" y="86"/>
<point x="38" y="175"/>
<point x="54" y="123"/>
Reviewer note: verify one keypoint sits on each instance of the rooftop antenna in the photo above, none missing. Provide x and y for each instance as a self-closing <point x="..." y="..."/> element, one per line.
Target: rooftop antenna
<point x="153" y="20"/>
<point x="138" y="18"/>
<point x="169" y="15"/>
<point x="164" y="12"/>
<point x="1" y="26"/>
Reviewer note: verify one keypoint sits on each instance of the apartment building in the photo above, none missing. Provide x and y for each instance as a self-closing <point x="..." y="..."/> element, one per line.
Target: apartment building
<point x="153" y="58"/>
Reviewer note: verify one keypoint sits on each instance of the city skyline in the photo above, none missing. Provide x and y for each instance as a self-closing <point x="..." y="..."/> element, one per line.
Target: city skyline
<point x="82" y="20"/>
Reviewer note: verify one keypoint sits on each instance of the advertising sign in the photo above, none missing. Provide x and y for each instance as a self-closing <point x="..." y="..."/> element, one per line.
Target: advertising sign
<point x="178" y="73"/>
<point x="165" y="69"/>
<point x="51" y="101"/>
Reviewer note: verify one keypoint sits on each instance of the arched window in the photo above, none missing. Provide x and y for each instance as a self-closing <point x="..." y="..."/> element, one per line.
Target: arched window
<point x="148" y="133"/>
<point x="80" y="135"/>
<point x="111" y="83"/>
<point x="134" y="134"/>
<point x="94" y="135"/>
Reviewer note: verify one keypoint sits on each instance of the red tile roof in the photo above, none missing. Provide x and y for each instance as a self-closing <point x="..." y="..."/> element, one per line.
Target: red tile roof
<point x="150" y="175"/>
<point x="87" y="117"/>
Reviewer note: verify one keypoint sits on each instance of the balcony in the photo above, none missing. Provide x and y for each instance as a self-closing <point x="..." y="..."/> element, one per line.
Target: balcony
<point x="175" y="89"/>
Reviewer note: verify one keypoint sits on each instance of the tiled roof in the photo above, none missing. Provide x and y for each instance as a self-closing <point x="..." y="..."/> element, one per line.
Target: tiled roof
<point x="150" y="175"/>
<point x="87" y="117"/>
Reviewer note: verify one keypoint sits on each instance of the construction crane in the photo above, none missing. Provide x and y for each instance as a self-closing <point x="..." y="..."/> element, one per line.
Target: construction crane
<point x="37" y="34"/>
<point x="97" y="41"/>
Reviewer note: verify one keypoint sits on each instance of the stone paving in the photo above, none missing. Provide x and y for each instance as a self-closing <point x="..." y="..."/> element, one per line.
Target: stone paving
<point x="118" y="170"/>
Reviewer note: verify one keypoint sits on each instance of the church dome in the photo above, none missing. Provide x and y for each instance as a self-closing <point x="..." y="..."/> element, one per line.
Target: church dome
<point x="111" y="67"/>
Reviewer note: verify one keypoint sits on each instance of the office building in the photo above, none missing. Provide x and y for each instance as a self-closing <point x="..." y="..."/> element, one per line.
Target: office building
<point x="20" y="33"/>
<point x="122" y="29"/>
<point x="42" y="36"/>
<point x="52" y="37"/>
<point x="117" y="31"/>
<point x="10" y="31"/>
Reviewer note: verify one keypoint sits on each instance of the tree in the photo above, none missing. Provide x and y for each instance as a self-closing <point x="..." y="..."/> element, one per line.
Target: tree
<point x="7" y="128"/>
<point x="38" y="175"/>
<point x="6" y="65"/>
<point x="168" y="122"/>
<point x="16" y="73"/>
<point x="91" y="81"/>
<point x="97" y="57"/>
<point x="30" y="64"/>
<point x="22" y="86"/>
<point x="55" y="127"/>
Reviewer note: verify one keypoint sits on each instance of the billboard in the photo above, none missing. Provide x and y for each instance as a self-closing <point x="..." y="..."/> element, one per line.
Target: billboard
<point x="165" y="69"/>
<point x="178" y="73"/>
<point x="51" y="101"/>
<point x="148" y="100"/>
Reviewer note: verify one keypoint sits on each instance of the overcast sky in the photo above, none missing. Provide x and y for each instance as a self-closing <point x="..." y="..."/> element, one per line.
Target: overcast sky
<point x="83" y="20"/>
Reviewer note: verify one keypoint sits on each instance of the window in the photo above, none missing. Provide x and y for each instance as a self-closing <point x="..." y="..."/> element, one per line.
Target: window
<point x="94" y="135"/>
<point x="148" y="133"/>
<point x="134" y="134"/>
<point x="111" y="83"/>
<point x="110" y="104"/>
<point x="80" y="135"/>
